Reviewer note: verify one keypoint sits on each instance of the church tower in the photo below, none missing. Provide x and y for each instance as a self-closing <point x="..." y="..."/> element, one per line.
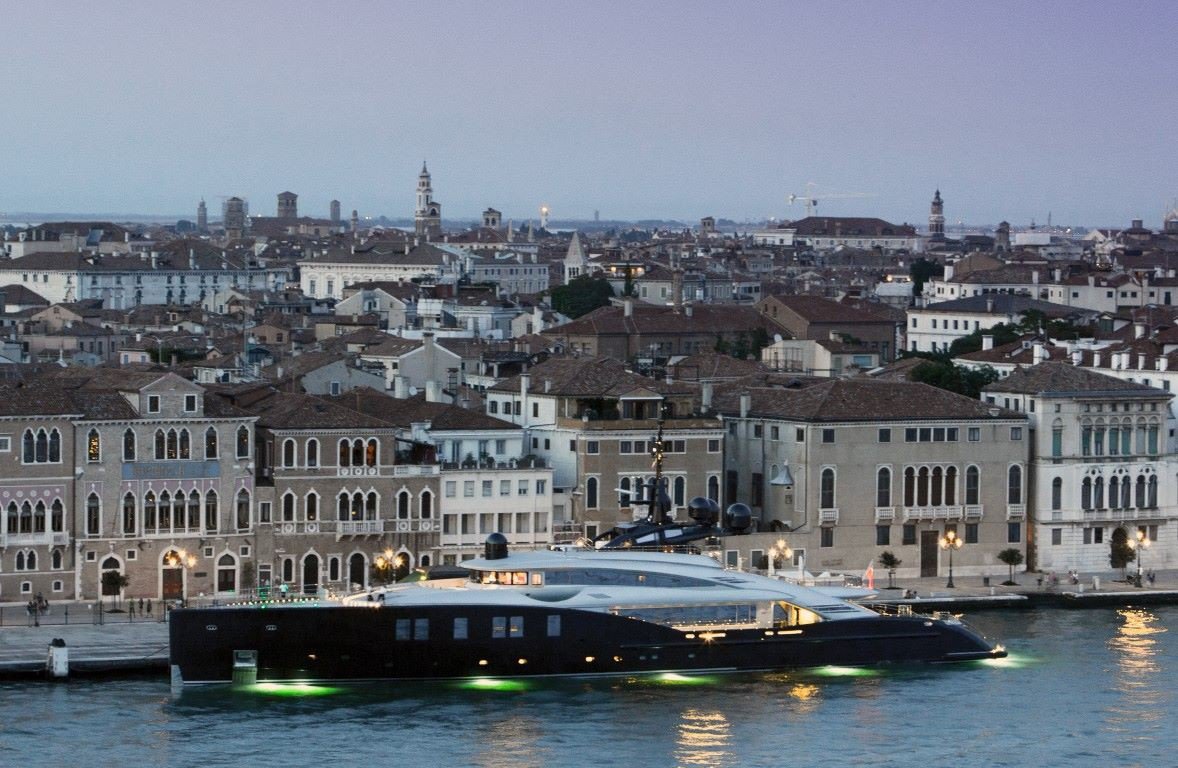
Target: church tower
<point x="936" y="218"/>
<point x="427" y="217"/>
<point x="202" y="216"/>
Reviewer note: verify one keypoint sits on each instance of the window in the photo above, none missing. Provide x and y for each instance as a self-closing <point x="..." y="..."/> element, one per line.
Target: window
<point x="591" y="493"/>
<point x="827" y="539"/>
<point x="243" y="442"/>
<point x="487" y="488"/>
<point x="1014" y="533"/>
<point x="5" y="444"/>
<point x="757" y="433"/>
<point x="93" y="515"/>
<point x="243" y="510"/>
<point x="972" y="485"/>
<point x="971" y="533"/>
<point x="826" y="493"/>
<point x="799" y="435"/>
<point x="93" y="446"/>
<point x="713" y="446"/>
<point x="828" y="435"/>
<point x="211" y="443"/>
<point x="974" y="434"/>
<point x="190" y="403"/>
<point x="885" y="436"/>
<point x="883" y="487"/>
<point x="1056" y="536"/>
<point x="541" y="487"/>
<point x="451" y="489"/>
<point x="908" y="534"/>
<point x="883" y="535"/>
<point x="153" y="403"/>
<point x="1057" y="493"/>
<point x="1016" y="433"/>
<point x="288" y="453"/>
<point x="592" y="446"/>
<point x="1014" y="485"/>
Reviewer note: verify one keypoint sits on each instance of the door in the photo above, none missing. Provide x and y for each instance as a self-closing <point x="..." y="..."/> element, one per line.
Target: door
<point x="928" y="553"/>
<point x="173" y="584"/>
<point x="311" y="575"/>
<point x="356" y="572"/>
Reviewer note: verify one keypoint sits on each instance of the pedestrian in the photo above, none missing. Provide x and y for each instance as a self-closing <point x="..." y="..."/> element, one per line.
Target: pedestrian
<point x="131" y="609"/>
<point x="149" y="606"/>
<point x="141" y="606"/>
<point x="1151" y="576"/>
<point x="31" y="610"/>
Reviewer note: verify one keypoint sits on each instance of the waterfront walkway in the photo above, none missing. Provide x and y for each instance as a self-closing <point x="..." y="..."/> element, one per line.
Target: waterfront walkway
<point x="120" y="646"/>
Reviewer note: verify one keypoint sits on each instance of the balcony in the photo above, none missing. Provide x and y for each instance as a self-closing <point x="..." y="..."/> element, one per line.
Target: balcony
<point x="1016" y="512"/>
<point x="828" y="516"/>
<point x="415" y="470"/>
<point x="885" y="514"/>
<point x="973" y="512"/>
<point x="913" y="514"/>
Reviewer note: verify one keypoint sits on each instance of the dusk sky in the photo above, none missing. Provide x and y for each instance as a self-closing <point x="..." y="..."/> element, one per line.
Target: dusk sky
<point x="636" y="109"/>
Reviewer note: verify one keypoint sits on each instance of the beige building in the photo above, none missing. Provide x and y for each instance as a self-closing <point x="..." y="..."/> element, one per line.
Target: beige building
<point x="847" y="469"/>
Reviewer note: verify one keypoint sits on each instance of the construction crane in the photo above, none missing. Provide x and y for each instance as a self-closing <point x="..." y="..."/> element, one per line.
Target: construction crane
<point x="811" y="200"/>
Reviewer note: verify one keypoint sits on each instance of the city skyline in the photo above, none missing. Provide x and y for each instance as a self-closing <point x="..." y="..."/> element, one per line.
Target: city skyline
<point x="1012" y="112"/>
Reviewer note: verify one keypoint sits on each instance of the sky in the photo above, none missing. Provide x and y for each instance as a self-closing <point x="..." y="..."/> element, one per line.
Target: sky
<point x="1014" y="110"/>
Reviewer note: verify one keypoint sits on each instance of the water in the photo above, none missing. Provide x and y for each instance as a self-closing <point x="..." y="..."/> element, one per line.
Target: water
<point x="1082" y="688"/>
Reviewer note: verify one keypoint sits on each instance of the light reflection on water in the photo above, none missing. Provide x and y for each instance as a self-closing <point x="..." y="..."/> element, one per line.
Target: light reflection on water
<point x="1080" y="688"/>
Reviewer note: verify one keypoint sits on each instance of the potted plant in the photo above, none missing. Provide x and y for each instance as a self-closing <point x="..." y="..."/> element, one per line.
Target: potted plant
<point x="891" y="562"/>
<point x="1012" y="557"/>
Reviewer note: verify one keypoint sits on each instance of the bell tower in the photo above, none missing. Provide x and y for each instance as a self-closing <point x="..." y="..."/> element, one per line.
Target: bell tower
<point x="936" y="217"/>
<point x="427" y="216"/>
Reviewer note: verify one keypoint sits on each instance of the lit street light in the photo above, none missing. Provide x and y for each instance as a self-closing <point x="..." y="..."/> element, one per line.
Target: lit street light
<point x="1139" y="545"/>
<point x="387" y="563"/>
<point x="950" y="542"/>
<point x="780" y="549"/>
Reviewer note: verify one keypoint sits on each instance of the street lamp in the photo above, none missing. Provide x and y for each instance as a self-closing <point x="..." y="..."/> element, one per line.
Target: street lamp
<point x="950" y="542"/>
<point x="387" y="563"/>
<point x="780" y="549"/>
<point x="1140" y="544"/>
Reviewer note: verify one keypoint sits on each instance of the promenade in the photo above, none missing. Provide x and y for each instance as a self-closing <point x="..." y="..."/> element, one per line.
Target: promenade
<point x="120" y="646"/>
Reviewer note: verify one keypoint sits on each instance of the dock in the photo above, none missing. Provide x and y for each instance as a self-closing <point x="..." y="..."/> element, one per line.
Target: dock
<point x="95" y="650"/>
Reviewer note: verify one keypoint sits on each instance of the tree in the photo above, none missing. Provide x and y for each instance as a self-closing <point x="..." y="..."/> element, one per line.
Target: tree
<point x="113" y="583"/>
<point x="954" y="378"/>
<point x="582" y="295"/>
<point x="891" y="562"/>
<point x="1120" y="554"/>
<point x="921" y="271"/>
<point x="1013" y="558"/>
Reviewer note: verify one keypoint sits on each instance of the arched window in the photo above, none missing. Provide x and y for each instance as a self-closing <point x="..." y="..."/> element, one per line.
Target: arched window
<point x="149" y="524"/>
<point x="56" y="560"/>
<point x="54" y="447"/>
<point x="165" y="513"/>
<point x="909" y="487"/>
<point x="938" y="486"/>
<point x="160" y="445"/>
<point x="1152" y="499"/>
<point x="42" y="446"/>
<point x="211" y="443"/>
<point x="28" y="450"/>
<point x="826" y="493"/>
<point x="1086" y="493"/>
<point x="403" y="505"/>
<point x="20" y="561"/>
<point x="357" y="453"/>
<point x="93" y="446"/>
<point x="243" y="510"/>
<point x="1114" y="492"/>
<point x="173" y="445"/>
<point x="1140" y="492"/>
<point x="193" y="510"/>
<point x="591" y="493"/>
<point x="357" y="506"/>
<point x="288" y="569"/>
<point x="129" y="445"/>
<point x="129" y="514"/>
<point x="39" y="515"/>
<point x="922" y="487"/>
<point x="288" y="507"/>
<point x="1098" y="493"/>
<point x="93" y="515"/>
<point x="243" y="442"/>
<point x="1126" y="491"/>
<point x="883" y="487"/>
<point x="226" y="573"/>
<point x="342" y="506"/>
<point x="185" y="444"/>
<point x="951" y="486"/>
<point x="371" y="506"/>
<point x="57" y="516"/>
<point x="311" y="507"/>
<point x="427" y="505"/>
<point x="1114" y="440"/>
<point x="972" y="485"/>
<point x="312" y="452"/>
<point x="13" y="518"/>
<point x="624" y="492"/>
<point x="288" y="453"/>
<point x="212" y="512"/>
<point x="1014" y="485"/>
<point x="714" y="488"/>
<point x="345" y="454"/>
<point x="1057" y="492"/>
<point x="679" y="494"/>
<point x="370" y="453"/>
<point x="31" y="561"/>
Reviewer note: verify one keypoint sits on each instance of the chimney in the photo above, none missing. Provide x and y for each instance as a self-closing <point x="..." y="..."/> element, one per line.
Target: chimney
<point x="433" y="393"/>
<point x="1037" y="353"/>
<point x="687" y="310"/>
<point x="400" y="387"/>
<point x="628" y="307"/>
<point x="705" y="396"/>
<point x="547" y="385"/>
<point x="537" y="319"/>
<point x="1034" y="277"/>
<point x="677" y="289"/>
<point x="525" y="383"/>
<point x="155" y="260"/>
<point x="746" y="404"/>
<point x="192" y="258"/>
<point x="1077" y="356"/>
<point x="1141" y="361"/>
<point x="989" y="305"/>
<point x="1139" y="330"/>
<point x="1095" y="358"/>
<point x="987" y="342"/>
<point x="1058" y="275"/>
<point x="1163" y="363"/>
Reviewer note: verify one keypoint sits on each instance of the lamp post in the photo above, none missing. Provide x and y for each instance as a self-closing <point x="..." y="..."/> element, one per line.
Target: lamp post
<point x="950" y="541"/>
<point x="780" y="549"/>
<point x="387" y="563"/>
<point x="1140" y="544"/>
<point x="183" y="559"/>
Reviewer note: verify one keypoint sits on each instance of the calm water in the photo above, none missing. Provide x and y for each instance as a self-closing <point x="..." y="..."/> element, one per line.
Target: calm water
<point x="1083" y="688"/>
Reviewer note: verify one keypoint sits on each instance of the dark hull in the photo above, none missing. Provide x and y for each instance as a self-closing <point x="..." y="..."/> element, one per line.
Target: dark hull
<point x="351" y="643"/>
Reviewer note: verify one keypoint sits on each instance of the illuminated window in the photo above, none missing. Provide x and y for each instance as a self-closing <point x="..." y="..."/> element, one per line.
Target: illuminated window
<point x="93" y="446"/>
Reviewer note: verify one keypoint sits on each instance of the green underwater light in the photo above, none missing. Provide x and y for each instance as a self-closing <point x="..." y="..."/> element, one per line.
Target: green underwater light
<point x="292" y="689"/>
<point x="675" y="678"/>
<point x="495" y="684"/>
<point x="835" y="671"/>
<point x="1011" y="661"/>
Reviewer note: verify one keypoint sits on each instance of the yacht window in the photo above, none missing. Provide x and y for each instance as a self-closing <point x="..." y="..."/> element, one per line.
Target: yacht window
<point x="694" y="615"/>
<point x="519" y="578"/>
<point x="460" y="632"/>
<point x="554" y="626"/>
<point x="789" y="615"/>
<point x="498" y="626"/>
<point x="402" y="629"/>
<point x="421" y="629"/>
<point x="621" y="578"/>
<point x="537" y="579"/>
<point x="517" y="627"/>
